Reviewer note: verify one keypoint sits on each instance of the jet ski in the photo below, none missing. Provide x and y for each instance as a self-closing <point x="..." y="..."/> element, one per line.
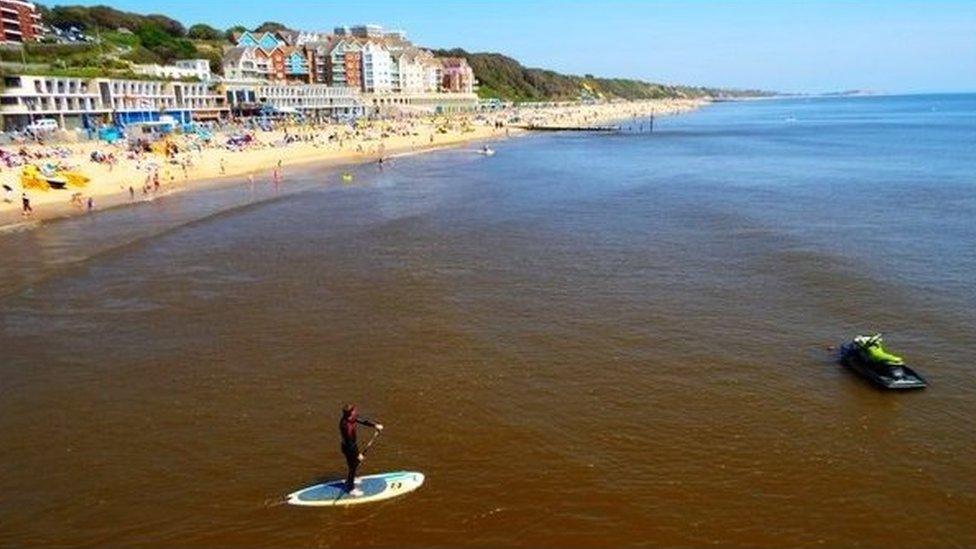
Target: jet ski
<point x="868" y="358"/>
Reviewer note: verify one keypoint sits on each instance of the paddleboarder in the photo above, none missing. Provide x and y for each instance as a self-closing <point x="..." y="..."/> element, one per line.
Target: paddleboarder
<point x="350" y="449"/>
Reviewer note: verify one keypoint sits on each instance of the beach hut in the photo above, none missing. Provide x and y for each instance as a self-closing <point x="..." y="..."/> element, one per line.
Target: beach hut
<point x="149" y="131"/>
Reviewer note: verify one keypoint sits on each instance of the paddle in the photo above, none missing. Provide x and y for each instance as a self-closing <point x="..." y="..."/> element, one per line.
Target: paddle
<point x="370" y="443"/>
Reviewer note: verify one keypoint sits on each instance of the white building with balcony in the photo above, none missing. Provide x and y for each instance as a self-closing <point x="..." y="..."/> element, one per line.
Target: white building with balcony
<point x="385" y="104"/>
<point x="82" y="102"/>
<point x="198" y="68"/>
<point x="432" y="74"/>
<point x="145" y="100"/>
<point x="72" y="102"/>
<point x="377" y="68"/>
<point x="20" y="22"/>
<point x="409" y="76"/>
<point x="242" y="63"/>
<point x="316" y="101"/>
<point x="179" y="70"/>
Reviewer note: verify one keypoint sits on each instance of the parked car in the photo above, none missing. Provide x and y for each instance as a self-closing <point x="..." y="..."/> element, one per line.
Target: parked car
<point x="43" y="125"/>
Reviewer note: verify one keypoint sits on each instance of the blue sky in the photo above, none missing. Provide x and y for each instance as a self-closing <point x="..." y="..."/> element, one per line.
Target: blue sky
<point x="812" y="45"/>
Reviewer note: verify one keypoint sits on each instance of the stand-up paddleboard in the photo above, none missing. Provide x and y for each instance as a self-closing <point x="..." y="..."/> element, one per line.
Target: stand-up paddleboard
<point x="374" y="487"/>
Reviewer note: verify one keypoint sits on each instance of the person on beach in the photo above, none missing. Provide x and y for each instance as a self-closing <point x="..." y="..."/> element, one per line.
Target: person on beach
<point x="25" y="205"/>
<point x="91" y="204"/>
<point x="350" y="449"/>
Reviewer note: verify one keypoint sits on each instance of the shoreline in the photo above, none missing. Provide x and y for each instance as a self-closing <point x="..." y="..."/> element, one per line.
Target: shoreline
<point x="214" y="167"/>
<point x="119" y="199"/>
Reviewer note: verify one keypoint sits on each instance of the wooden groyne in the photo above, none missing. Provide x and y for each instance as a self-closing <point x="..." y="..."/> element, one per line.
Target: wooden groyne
<point x="570" y="128"/>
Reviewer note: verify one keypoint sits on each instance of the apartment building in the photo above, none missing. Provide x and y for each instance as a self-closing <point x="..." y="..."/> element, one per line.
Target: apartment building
<point x="315" y="101"/>
<point x="409" y="74"/>
<point x="21" y="21"/>
<point x="423" y="102"/>
<point x="179" y="70"/>
<point x="456" y="75"/>
<point x="82" y="102"/>
<point x="200" y="68"/>
<point x="72" y="102"/>
<point x="377" y="68"/>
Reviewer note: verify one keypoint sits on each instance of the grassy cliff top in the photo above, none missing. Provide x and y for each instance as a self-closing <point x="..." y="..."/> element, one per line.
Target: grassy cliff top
<point x="505" y="78"/>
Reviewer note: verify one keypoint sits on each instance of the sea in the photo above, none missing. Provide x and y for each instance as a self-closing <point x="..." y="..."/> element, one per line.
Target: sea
<point x="586" y="339"/>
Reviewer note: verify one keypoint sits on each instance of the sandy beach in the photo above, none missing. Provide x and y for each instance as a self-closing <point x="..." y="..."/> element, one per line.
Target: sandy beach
<point x="125" y="176"/>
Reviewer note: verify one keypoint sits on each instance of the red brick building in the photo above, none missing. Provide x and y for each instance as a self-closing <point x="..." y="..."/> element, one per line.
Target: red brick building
<point x="456" y="75"/>
<point x="276" y="64"/>
<point x="21" y="22"/>
<point x="352" y="63"/>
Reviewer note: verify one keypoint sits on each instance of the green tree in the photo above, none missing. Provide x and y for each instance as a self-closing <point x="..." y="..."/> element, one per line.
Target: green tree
<point x="270" y="26"/>
<point x="162" y="44"/>
<point x="68" y="16"/>
<point x="236" y="29"/>
<point x="152" y="36"/>
<point x="216" y="61"/>
<point x="185" y="49"/>
<point x="106" y="18"/>
<point x="170" y="26"/>
<point x="110" y="18"/>
<point x="202" y="31"/>
<point x="142" y="56"/>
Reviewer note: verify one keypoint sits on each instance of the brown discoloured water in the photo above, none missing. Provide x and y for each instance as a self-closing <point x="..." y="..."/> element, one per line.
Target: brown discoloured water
<point x="572" y="357"/>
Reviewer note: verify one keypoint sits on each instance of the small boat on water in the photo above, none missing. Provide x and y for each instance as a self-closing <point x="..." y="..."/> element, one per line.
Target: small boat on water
<point x="346" y="177"/>
<point x="867" y="358"/>
<point x="487" y="151"/>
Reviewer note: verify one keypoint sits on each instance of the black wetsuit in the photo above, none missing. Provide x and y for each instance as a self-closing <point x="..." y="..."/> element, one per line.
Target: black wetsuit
<point x="347" y="430"/>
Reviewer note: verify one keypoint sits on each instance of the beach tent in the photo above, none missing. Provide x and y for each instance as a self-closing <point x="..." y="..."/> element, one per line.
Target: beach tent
<point x="109" y="134"/>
